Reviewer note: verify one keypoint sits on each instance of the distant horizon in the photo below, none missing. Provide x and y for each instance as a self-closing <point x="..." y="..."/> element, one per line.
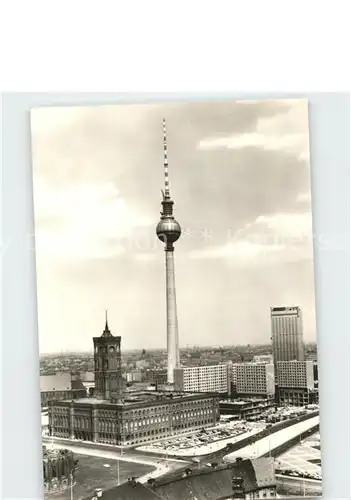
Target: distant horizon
<point x="215" y="346"/>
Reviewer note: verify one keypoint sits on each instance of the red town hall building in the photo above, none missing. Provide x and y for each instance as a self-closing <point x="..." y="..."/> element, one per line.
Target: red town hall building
<point x="113" y="416"/>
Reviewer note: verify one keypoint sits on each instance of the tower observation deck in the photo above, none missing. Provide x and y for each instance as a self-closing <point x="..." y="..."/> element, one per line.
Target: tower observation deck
<point x="168" y="231"/>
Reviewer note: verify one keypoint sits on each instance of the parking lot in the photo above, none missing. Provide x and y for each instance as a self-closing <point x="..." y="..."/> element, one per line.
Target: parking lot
<point x="288" y="412"/>
<point x="205" y="440"/>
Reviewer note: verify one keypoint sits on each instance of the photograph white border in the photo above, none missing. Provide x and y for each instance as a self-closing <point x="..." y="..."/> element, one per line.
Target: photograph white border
<point x="329" y="118"/>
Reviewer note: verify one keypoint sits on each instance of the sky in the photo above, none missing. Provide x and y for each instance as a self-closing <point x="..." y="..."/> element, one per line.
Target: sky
<point x="240" y="179"/>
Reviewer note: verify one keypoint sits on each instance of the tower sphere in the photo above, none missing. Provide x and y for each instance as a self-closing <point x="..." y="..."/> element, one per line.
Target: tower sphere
<point x="168" y="230"/>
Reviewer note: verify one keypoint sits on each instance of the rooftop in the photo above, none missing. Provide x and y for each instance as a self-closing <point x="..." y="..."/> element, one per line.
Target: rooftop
<point x="87" y="376"/>
<point x="77" y="385"/>
<point x="143" y="398"/>
<point x="285" y="309"/>
<point x="58" y="382"/>
<point x="245" y="401"/>
<point x="205" y="483"/>
<point x="130" y="491"/>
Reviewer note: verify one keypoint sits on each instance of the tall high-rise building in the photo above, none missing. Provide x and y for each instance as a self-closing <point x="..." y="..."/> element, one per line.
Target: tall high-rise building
<point x="108" y="366"/>
<point x="287" y="334"/>
<point x="168" y="231"/>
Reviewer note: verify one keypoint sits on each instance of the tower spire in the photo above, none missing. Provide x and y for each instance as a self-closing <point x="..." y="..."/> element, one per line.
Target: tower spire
<point x="167" y="193"/>
<point x="106" y="332"/>
<point x="106" y="321"/>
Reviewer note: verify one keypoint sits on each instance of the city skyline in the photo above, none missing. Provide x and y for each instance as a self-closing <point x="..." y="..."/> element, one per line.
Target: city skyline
<point x="164" y="349"/>
<point x="241" y="185"/>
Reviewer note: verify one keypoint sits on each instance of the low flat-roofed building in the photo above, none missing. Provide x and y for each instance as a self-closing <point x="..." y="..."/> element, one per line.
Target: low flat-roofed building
<point x="60" y="387"/>
<point x="246" y="409"/>
<point x="263" y="358"/>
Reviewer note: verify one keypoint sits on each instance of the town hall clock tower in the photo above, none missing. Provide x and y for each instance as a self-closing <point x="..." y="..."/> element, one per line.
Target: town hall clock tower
<point x="108" y="366"/>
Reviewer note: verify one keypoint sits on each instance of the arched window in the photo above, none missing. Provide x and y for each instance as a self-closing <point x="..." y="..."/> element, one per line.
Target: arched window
<point x="53" y="468"/>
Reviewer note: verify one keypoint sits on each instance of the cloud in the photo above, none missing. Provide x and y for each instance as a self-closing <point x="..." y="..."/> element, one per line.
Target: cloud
<point x="83" y="221"/>
<point x="287" y="132"/>
<point x="242" y="250"/>
<point x="282" y="237"/>
<point x="285" y="225"/>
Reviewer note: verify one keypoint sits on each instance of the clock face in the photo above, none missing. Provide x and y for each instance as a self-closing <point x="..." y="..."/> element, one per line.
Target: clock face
<point x="112" y="348"/>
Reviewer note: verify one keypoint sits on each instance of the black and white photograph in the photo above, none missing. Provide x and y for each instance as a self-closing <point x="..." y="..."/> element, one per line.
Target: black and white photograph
<point x="176" y="301"/>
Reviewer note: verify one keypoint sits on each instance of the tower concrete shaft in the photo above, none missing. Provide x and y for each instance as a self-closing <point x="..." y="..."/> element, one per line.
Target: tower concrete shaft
<point x="173" y="358"/>
<point x="168" y="231"/>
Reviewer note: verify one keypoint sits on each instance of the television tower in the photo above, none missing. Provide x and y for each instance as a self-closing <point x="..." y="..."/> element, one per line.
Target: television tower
<point x="168" y="231"/>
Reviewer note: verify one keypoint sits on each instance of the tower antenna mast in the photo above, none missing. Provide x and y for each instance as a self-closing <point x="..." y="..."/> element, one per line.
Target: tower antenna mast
<point x="167" y="193"/>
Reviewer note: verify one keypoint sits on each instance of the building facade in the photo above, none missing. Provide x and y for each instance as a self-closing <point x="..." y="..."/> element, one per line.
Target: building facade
<point x="156" y="376"/>
<point x="295" y="382"/>
<point x="143" y="417"/>
<point x="297" y="397"/>
<point x="134" y="376"/>
<point x="295" y="374"/>
<point x="211" y="378"/>
<point x="311" y="356"/>
<point x="287" y="334"/>
<point x="254" y="379"/>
